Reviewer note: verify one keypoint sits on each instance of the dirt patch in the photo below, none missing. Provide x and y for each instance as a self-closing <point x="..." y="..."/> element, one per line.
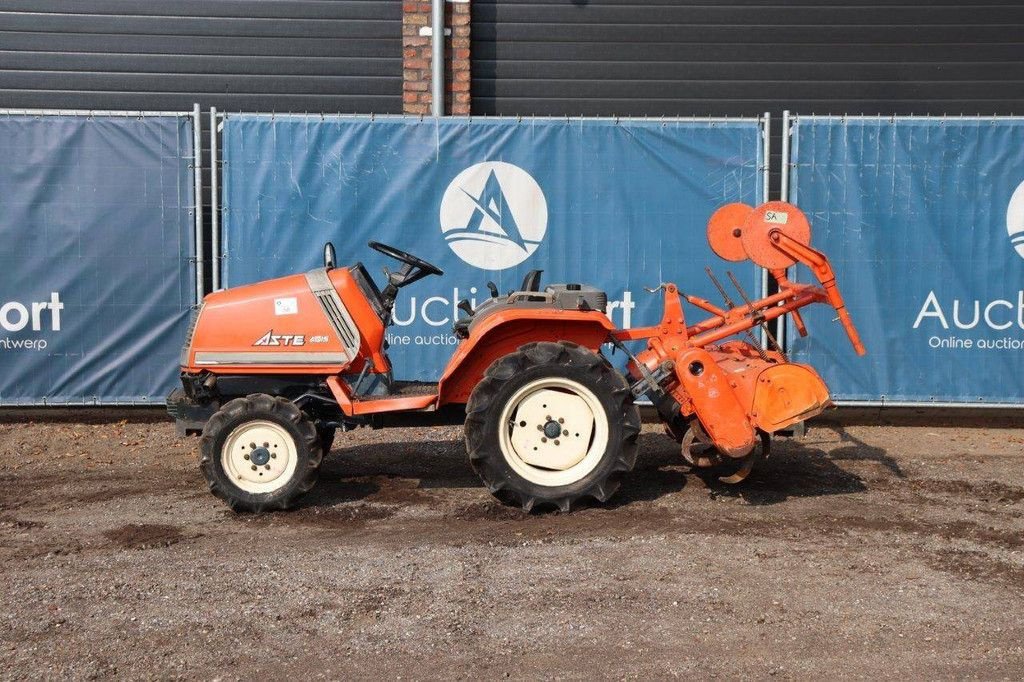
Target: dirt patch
<point x="989" y="491"/>
<point x="395" y="490"/>
<point x="948" y="530"/>
<point x="8" y="521"/>
<point x="489" y="511"/>
<point x="341" y="516"/>
<point x="976" y="565"/>
<point x="144" y="535"/>
<point x="47" y="548"/>
<point x="58" y="491"/>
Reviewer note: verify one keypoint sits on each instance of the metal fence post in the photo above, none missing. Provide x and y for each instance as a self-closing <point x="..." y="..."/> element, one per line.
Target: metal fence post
<point x="767" y="153"/>
<point x="437" y="57"/>
<point x="197" y="174"/>
<point x="786" y="139"/>
<point x="215" y="254"/>
<point x="766" y="137"/>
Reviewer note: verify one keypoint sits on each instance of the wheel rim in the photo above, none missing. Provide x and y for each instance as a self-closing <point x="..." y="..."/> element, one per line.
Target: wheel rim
<point x="259" y="456"/>
<point x="527" y="436"/>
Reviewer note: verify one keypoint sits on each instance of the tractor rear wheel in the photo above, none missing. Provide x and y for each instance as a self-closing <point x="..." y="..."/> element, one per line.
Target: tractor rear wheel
<point x="551" y="424"/>
<point x="260" y="453"/>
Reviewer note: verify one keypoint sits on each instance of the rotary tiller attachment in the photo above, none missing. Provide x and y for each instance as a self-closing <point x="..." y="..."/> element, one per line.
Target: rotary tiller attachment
<point x="733" y="394"/>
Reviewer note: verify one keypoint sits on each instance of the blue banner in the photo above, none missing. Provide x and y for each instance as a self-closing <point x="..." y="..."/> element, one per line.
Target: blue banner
<point x="616" y="204"/>
<point x="923" y="220"/>
<point x="96" y="224"/>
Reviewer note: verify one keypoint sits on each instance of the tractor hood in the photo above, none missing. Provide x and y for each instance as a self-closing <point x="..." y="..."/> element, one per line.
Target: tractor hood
<point x="294" y="322"/>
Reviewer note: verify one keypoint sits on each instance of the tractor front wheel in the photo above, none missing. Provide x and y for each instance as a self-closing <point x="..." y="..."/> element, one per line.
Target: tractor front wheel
<point x="260" y="453"/>
<point x="551" y="424"/>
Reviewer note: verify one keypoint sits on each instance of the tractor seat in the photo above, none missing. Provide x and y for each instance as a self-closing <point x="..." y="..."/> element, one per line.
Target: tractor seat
<point x="532" y="281"/>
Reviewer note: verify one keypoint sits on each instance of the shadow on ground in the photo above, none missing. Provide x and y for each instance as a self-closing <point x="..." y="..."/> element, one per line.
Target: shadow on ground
<point x="795" y="469"/>
<point x="84" y="415"/>
<point x="800" y="468"/>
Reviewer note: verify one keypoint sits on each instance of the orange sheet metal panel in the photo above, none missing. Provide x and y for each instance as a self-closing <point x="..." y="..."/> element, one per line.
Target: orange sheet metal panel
<point x="279" y="326"/>
<point x="715" y="402"/>
<point x="265" y="327"/>
<point x="504" y="332"/>
<point x="786" y="394"/>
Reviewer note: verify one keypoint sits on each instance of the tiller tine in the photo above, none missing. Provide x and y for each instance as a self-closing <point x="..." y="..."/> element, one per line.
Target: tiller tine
<point x="746" y="464"/>
<point x="746" y="467"/>
<point x="699" y="453"/>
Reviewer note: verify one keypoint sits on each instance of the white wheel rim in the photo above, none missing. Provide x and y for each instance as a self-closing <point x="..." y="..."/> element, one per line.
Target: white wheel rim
<point x="527" y="425"/>
<point x="259" y="456"/>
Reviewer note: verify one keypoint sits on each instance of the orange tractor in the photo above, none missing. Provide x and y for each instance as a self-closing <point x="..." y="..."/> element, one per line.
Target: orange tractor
<point x="271" y="370"/>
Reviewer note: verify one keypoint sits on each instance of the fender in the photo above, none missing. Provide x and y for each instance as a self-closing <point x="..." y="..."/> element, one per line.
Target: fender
<point x="504" y="332"/>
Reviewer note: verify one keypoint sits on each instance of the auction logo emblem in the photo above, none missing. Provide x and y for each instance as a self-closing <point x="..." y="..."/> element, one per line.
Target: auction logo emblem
<point x="494" y="215"/>
<point x="1015" y="219"/>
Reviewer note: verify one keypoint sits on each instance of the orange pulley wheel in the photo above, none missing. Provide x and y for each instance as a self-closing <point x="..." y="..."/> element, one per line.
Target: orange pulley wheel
<point x="724" y="230"/>
<point x="775" y="215"/>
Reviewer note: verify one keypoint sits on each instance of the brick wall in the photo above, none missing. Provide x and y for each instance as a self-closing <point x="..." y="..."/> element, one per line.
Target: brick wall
<point x="416" y="56"/>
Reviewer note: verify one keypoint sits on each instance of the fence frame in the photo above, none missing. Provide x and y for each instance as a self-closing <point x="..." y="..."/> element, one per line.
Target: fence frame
<point x="789" y="125"/>
<point x="197" y="214"/>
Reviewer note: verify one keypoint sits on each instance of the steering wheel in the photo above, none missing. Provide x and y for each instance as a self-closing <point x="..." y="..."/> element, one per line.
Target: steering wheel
<point x="407" y="258"/>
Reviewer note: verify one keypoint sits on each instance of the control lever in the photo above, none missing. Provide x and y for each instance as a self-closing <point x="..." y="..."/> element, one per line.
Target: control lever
<point x="493" y="288"/>
<point x="465" y="307"/>
<point x="822" y="269"/>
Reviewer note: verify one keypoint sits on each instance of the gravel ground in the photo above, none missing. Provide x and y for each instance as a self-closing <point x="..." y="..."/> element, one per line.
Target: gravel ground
<point x="862" y="550"/>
